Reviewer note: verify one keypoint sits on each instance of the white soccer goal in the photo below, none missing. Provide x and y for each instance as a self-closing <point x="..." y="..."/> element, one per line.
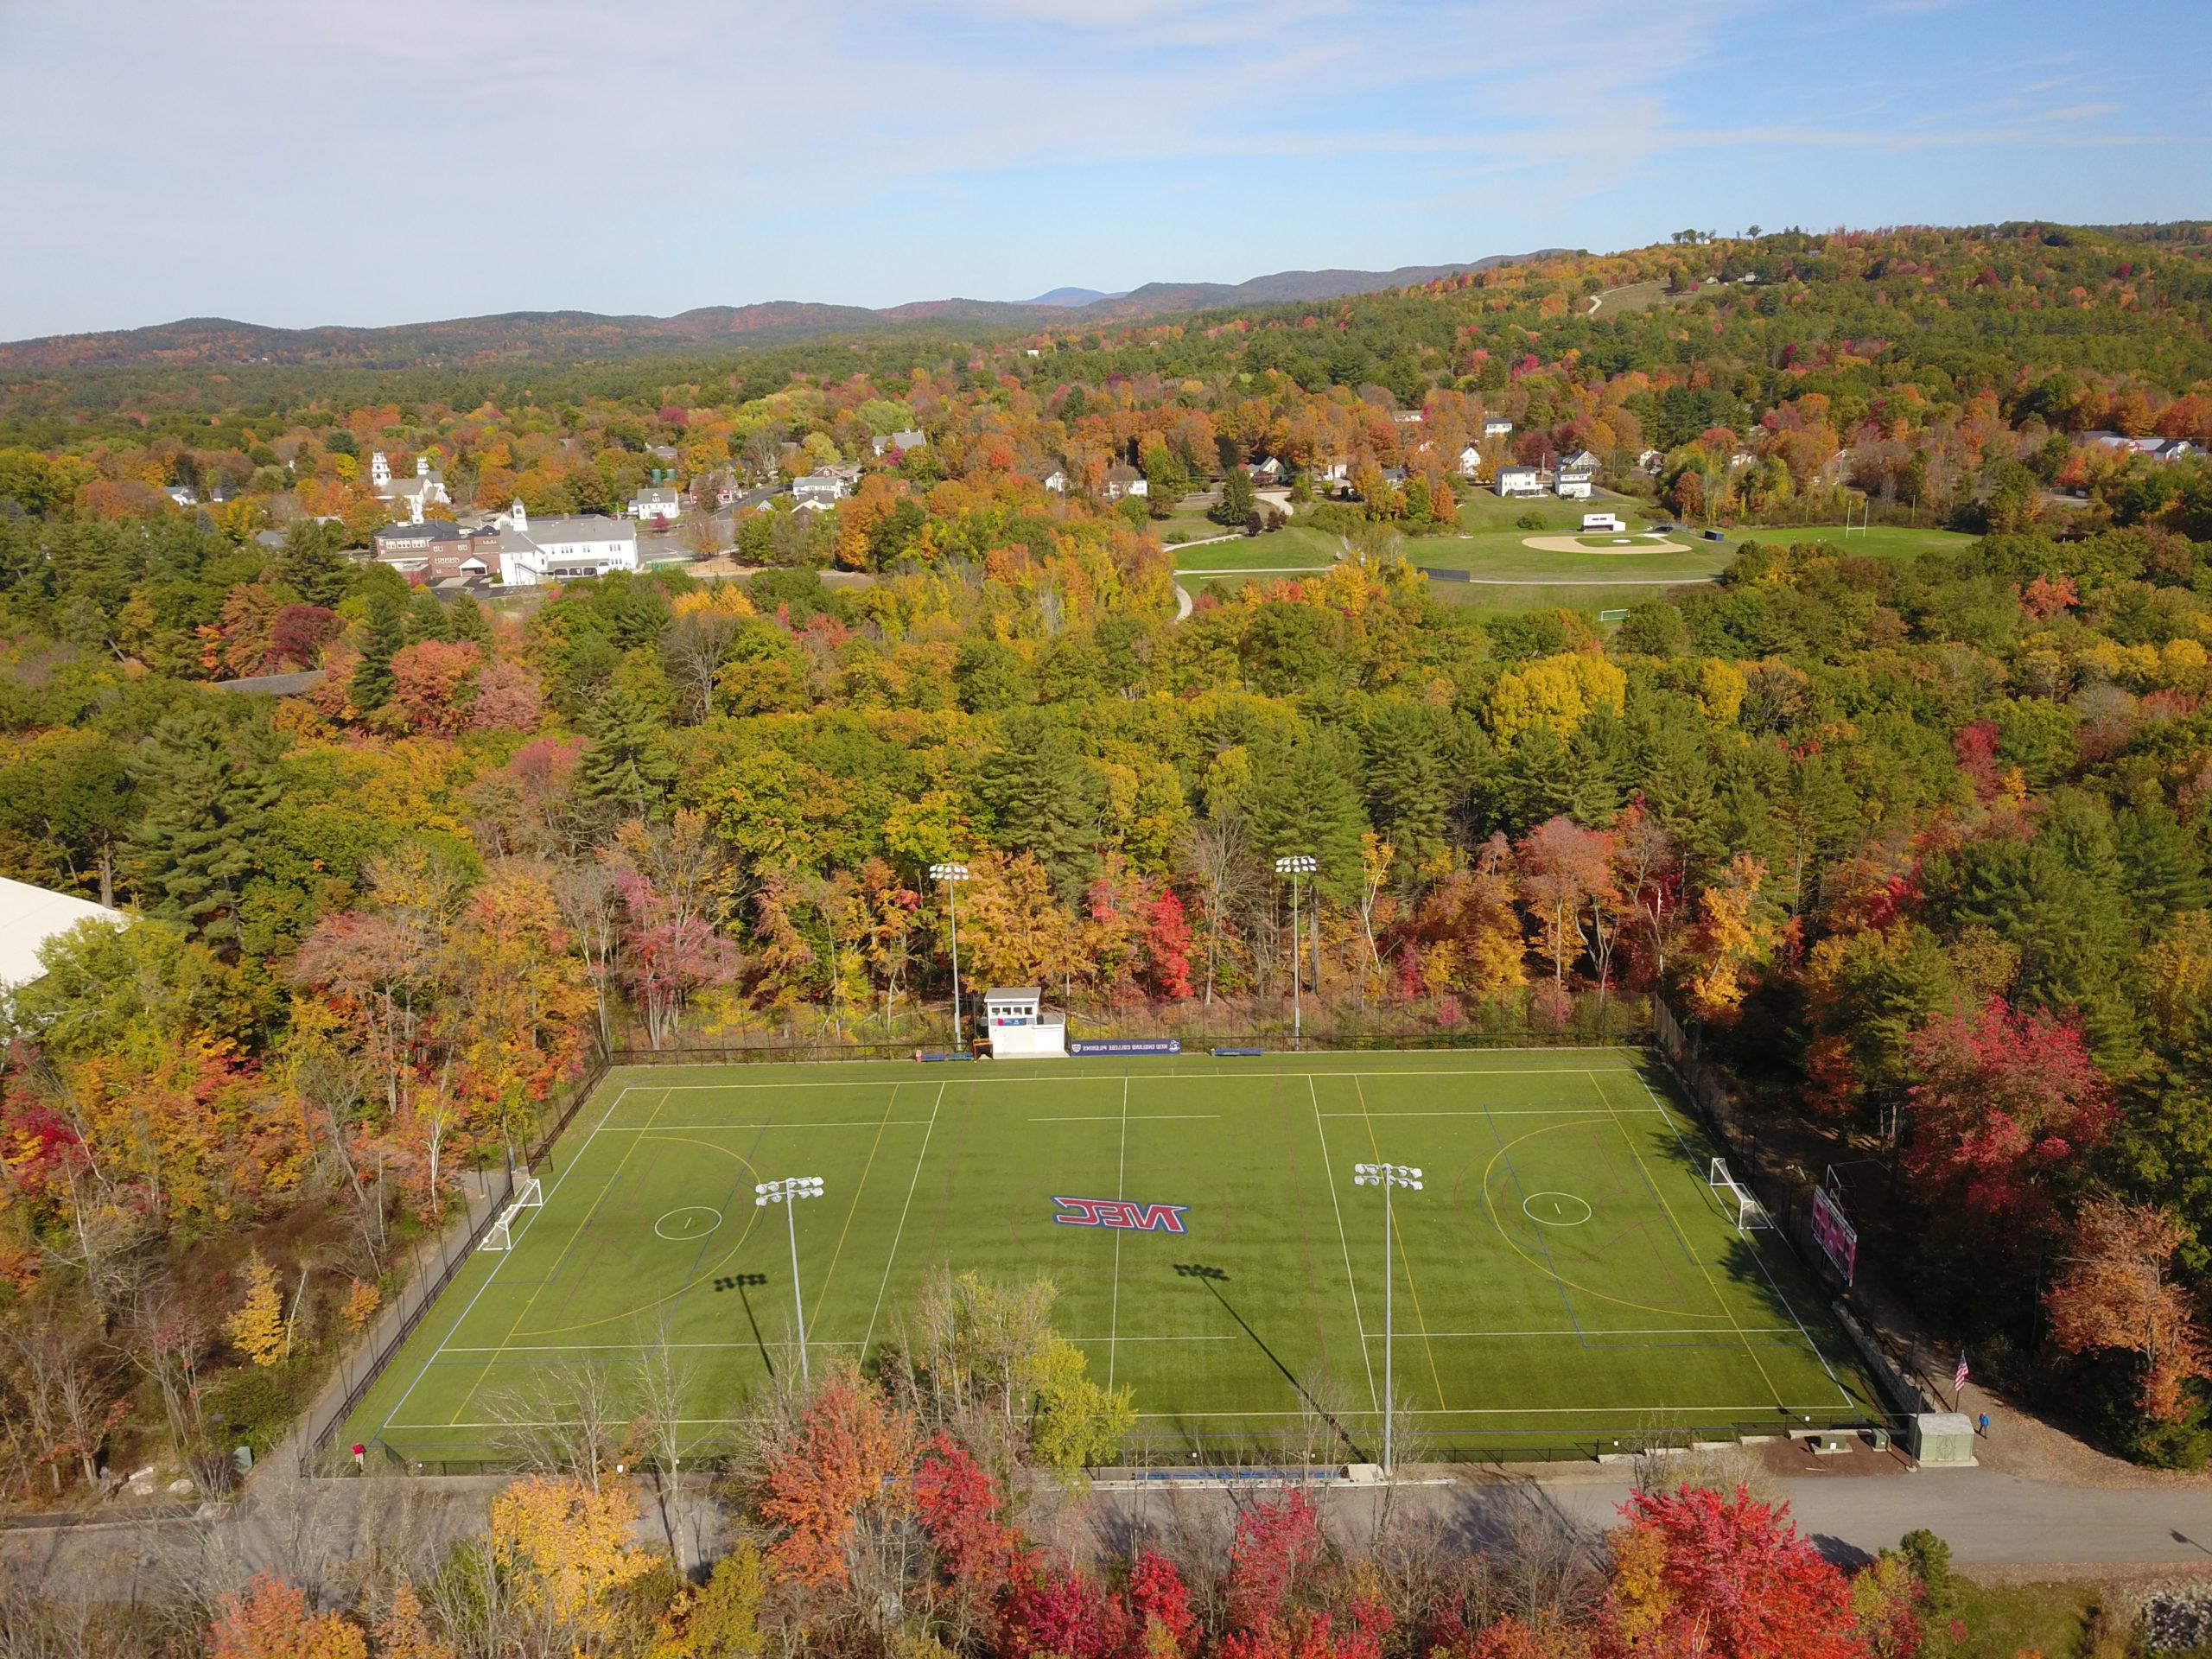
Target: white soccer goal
<point x="1746" y="1212"/>
<point x="499" y="1236"/>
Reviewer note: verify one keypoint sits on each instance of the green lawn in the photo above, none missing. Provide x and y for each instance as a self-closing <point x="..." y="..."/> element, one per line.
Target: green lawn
<point x="1290" y="547"/>
<point x="2004" y="1620"/>
<point x="1563" y="1278"/>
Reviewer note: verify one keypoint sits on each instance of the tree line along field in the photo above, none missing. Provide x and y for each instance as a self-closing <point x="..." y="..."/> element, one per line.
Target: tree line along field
<point x="1563" y="1279"/>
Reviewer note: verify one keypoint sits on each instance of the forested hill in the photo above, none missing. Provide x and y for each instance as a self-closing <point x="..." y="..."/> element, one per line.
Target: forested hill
<point x="574" y="336"/>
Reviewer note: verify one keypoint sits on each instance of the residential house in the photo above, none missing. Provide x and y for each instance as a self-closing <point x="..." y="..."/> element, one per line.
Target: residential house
<point x="1121" y="479"/>
<point x="1572" y="483"/>
<point x="1265" y="472"/>
<point x="657" y="501"/>
<point x="820" y="489"/>
<point x="1335" y="470"/>
<point x="183" y="494"/>
<point x="1496" y="426"/>
<point x="663" y="452"/>
<point x="1518" y="480"/>
<point x="1054" y="478"/>
<point x="1470" y="460"/>
<point x="1649" y="459"/>
<point x="1405" y="416"/>
<point x="437" y="549"/>
<point x="900" y="441"/>
<point x="413" y="494"/>
<point x="554" y="549"/>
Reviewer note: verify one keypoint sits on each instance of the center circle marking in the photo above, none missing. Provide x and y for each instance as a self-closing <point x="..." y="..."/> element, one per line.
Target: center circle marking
<point x="692" y="1221"/>
<point x="1556" y="1209"/>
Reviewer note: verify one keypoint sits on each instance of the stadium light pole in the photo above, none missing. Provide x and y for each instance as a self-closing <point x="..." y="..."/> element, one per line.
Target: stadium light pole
<point x="1386" y="1176"/>
<point x="952" y="875"/>
<point x="788" y="1192"/>
<point x="1293" y="865"/>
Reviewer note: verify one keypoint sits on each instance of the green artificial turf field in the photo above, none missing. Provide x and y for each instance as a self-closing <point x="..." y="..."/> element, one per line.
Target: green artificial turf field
<point x="1565" y="1275"/>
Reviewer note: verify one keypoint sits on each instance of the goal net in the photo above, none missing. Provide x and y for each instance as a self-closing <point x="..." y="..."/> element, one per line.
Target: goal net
<point x="1746" y="1212"/>
<point x="500" y="1235"/>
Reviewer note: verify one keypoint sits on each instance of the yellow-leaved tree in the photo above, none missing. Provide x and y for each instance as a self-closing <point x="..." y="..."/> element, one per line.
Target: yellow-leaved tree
<point x="1558" y="692"/>
<point x="566" y="1548"/>
<point x="257" y="1330"/>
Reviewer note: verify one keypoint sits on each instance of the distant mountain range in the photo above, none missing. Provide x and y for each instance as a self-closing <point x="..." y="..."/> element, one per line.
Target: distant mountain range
<point x="574" y="336"/>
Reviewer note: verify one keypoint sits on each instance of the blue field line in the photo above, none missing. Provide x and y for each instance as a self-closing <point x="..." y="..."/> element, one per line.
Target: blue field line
<point x="1552" y="1267"/>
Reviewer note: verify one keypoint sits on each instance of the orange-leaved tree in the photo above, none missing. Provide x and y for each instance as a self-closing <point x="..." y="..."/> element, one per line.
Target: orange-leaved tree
<point x="2115" y="1291"/>
<point x="269" y="1620"/>
<point x="852" y="1451"/>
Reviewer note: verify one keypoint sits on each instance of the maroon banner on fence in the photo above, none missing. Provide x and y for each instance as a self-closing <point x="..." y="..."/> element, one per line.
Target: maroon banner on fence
<point x="1837" y="1238"/>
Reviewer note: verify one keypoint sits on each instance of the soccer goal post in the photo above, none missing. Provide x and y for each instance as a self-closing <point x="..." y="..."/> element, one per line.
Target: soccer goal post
<point x="500" y="1235"/>
<point x="1736" y="1201"/>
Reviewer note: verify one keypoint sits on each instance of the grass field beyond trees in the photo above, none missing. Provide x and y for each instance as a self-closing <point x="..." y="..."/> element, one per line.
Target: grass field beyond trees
<point x="1565" y="1277"/>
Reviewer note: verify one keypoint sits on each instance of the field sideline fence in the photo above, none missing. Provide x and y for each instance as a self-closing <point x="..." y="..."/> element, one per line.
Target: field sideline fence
<point x="434" y="1263"/>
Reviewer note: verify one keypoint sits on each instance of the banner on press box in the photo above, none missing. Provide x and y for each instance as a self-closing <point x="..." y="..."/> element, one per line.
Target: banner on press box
<point x="1128" y="1045"/>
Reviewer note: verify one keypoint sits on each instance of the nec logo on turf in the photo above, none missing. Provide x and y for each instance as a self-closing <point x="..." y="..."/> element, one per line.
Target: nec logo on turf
<point x="1118" y="1213"/>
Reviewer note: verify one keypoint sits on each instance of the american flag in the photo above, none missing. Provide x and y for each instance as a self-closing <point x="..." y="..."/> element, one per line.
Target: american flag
<point x="1958" y="1377"/>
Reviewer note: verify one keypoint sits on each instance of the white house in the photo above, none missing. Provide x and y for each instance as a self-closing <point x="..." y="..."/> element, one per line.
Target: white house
<point x="660" y="502"/>
<point x="1496" y="426"/>
<point x="1570" y="486"/>
<point x="1470" y="460"/>
<point x="1019" y="1028"/>
<point x="1518" y="480"/>
<point x="1334" y="471"/>
<point x="902" y="441"/>
<point x="1648" y="460"/>
<point x="1405" y="416"/>
<point x="183" y="494"/>
<point x="821" y="489"/>
<point x="555" y="550"/>
<point x="415" y="493"/>
<point x="1055" y="479"/>
<point x="30" y="917"/>
<point x="1121" y="479"/>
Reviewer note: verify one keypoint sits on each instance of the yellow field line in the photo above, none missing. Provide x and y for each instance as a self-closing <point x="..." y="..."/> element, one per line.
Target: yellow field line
<point x="1711" y="1283"/>
<point x="1399" y="1233"/>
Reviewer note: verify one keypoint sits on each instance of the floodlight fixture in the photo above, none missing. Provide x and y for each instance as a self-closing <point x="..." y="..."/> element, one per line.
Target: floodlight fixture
<point x="788" y="1192"/>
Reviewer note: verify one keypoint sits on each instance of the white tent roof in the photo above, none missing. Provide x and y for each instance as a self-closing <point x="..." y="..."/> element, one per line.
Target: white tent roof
<point x="29" y="918"/>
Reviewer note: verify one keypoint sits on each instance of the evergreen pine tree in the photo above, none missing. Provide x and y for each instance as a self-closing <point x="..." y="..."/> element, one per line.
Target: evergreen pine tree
<point x="1237" y="498"/>
<point x="1404" y="772"/>
<point x="1043" y="796"/>
<point x="1303" y="801"/>
<point x="466" y="620"/>
<point x="208" y="791"/>
<point x="426" y="619"/>
<point x="311" y="562"/>
<point x="623" y="764"/>
<point x="384" y="631"/>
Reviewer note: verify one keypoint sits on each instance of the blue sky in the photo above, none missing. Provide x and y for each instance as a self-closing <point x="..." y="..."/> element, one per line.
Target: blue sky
<point x="297" y="164"/>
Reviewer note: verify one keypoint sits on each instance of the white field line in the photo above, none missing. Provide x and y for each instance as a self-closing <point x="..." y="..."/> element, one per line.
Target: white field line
<point x="670" y="1128"/>
<point x="1066" y="1077"/>
<point x="505" y="1256"/>
<point x="1441" y="1336"/>
<point x="1628" y="1411"/>
<point x="1328" y="1177"/>
<point x="1757" y="1255"/>
<point x="1124" y="1119"/>
<point x="1121" y="1176"/>
<point x="913" y="1182"/>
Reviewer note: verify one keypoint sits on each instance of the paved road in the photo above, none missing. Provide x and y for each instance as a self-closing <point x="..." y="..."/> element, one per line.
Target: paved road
<point x="1991" y="1520"/>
